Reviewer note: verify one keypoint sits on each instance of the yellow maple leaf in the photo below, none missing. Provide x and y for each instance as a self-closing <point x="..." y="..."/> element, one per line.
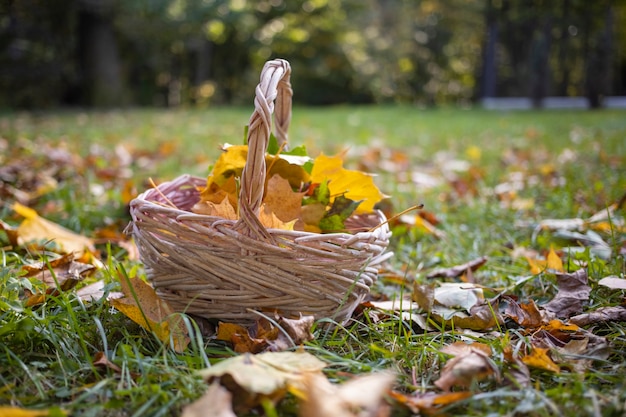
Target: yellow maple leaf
<point x="538" y="358"/>
<point x="229" y="164"/>
<point x="36" y="228"/>
<point x="143" y="306"/>
<point x="294" y="173"/>
<point x="552" y="262"/>
<point x="355" y="185"/>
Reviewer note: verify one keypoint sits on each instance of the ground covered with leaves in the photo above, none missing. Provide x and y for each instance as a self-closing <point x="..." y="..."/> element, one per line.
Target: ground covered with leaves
<point x="505" y="294"/>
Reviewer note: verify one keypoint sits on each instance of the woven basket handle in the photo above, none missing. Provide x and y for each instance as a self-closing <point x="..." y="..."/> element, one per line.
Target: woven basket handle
<point x="274" y="87"/>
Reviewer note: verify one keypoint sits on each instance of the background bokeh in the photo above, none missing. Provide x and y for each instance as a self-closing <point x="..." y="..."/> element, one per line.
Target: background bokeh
<point x="96" y="53"/>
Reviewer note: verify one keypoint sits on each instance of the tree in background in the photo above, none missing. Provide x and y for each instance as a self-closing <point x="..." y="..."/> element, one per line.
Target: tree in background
<point x="558" y="47"/>
<point x="192" y="52"/>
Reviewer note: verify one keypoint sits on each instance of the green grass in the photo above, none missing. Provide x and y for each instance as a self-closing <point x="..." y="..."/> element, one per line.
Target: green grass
<point x="570" y="163"/>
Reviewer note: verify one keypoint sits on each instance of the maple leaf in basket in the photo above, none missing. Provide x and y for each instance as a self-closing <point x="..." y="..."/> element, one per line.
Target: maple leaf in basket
<point x="294" y="199"/>
<point x="355" y="185"/>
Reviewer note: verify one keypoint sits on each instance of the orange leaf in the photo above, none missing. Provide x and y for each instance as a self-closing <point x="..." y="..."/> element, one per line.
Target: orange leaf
<point x="143" y="306"/>
<point x="224" y="209"/>
<point x="538" y="358"/>
<point x="271" y="221"/>
<point x="282" y="200"/>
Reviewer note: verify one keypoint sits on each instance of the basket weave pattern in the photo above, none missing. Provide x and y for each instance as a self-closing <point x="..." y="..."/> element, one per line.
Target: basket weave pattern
<point x="222" y="269"/>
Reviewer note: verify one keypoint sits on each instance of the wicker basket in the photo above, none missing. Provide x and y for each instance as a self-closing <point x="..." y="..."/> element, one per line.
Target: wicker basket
<point x="223" y="269"/>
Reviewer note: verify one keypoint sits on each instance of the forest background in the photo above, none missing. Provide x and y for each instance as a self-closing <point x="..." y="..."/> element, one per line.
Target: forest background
<point x="104" y="53"/>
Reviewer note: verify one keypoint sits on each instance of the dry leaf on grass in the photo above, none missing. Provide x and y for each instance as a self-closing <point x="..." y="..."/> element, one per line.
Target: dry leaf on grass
<point x="250" y="378"/>
<point x="613" y="282"/>
<point x="100" y="359"/>
<point x="62" y="272"/>
<point x="458" y="270"/>
<point x="143" y="306"/>
<point x="539" y="358"/>
<point x="602" y="314"/>
<point x="264" y="335"/>
<point x="462" y="304"/>
<point x="515" y="373"/>
<point x="526" y="315"/>
<point x="573" y="291"/>
<point x="470" y="364"/>
<point x="363" y="396"/>
<point x="216" y="402"/>
<point x="35" y="228"/>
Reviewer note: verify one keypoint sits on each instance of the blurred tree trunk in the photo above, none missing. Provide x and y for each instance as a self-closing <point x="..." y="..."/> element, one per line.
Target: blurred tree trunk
<point x="539" y="61"/>
<point x="98" y="55"/>
<point x="563" y="45"/>
<point x="599" y="53"/>
<point x="489" y="56"/>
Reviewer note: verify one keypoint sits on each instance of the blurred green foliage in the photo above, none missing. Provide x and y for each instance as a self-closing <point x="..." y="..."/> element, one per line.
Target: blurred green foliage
<point x="197" y="52"/>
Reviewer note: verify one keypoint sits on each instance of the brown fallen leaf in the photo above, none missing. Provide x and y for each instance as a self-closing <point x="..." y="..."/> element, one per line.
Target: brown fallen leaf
<point x="462" y="348"/>
<point x="600" y="315"/>
<point x="458" y="270"/>
<point x="101" y="360"/>
<point x="264" y="335"/>
<point x="464" y="369"/>
<point x="224" y="209"/>
<point x="424" y="295"/>
<point x="143" y="306"/>
<point x="480" y="317"/>
<point x="271" y="221"/>
<point x="292" y="333"/>
<point x="216" y="402"/>
<point x="515" y="373"/>
<point x="526" y="315"/>
<point x="362" y="396"/>
<point x="573" y="291"/>
<point x="241" y="339"/>
<point x="62" y="272"/>
<point x="573" y="355"/>
<point x="282" y="200"/>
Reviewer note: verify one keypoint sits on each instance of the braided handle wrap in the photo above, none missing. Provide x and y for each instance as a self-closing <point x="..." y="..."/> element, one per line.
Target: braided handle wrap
<point x="274" y="88"/>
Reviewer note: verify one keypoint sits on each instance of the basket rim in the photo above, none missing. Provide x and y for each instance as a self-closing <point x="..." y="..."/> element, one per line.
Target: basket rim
<point x="144" y="200"/>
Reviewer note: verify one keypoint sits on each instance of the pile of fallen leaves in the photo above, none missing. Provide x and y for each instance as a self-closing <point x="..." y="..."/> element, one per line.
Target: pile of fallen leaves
<point x="315" y="195"/>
